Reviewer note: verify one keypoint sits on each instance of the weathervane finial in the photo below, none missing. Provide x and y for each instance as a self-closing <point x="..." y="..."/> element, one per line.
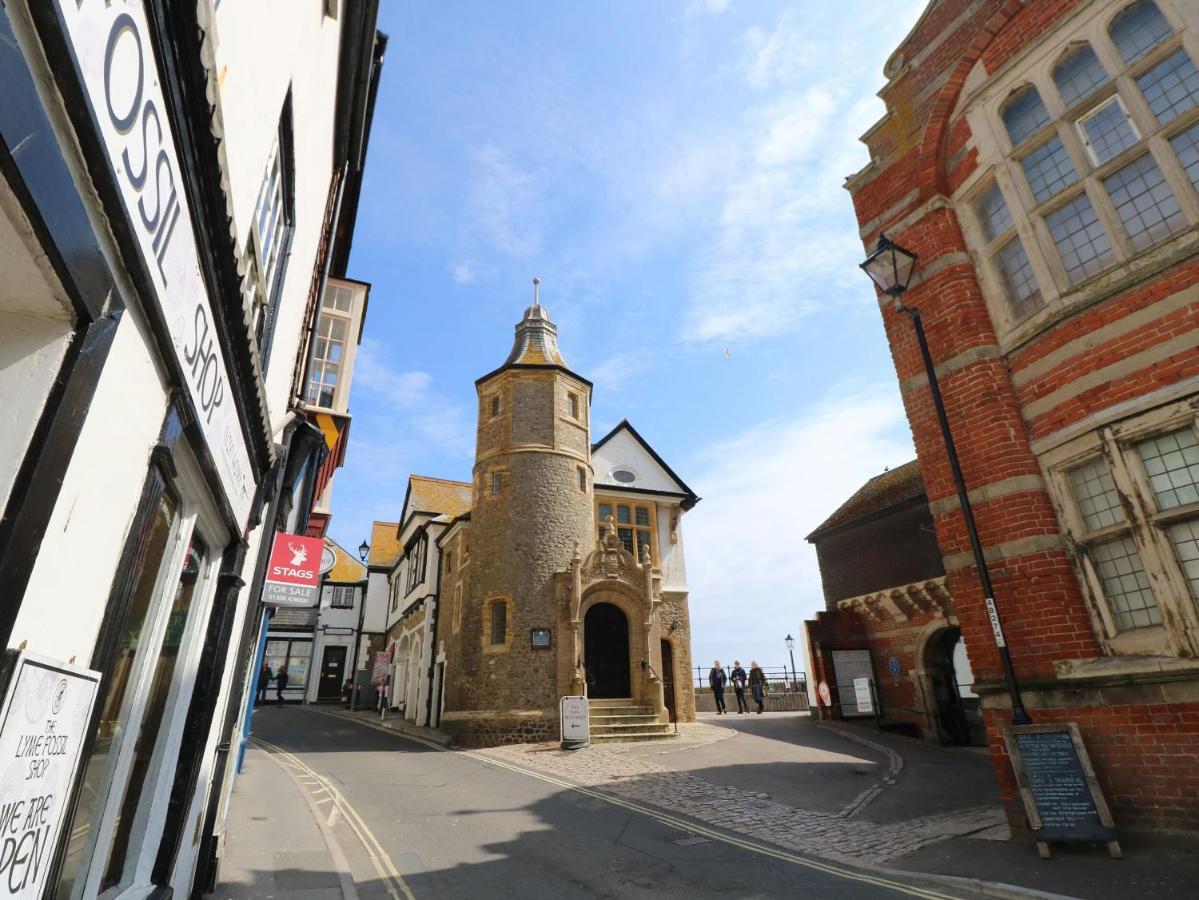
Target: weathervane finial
<point x="536" y="291"/>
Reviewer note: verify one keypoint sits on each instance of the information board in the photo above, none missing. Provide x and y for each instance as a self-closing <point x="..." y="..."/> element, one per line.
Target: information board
<point x="575" y="717"/>
<point x="862" y="695"/>
<point x="43" y="722"/>
<point x="1058" y="787"/>
<point x="381" y="668"/>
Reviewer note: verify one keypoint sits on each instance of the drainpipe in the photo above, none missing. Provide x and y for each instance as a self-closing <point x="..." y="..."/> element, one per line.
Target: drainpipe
<point x="358" y="637"/>
<point x="433" y="651"/>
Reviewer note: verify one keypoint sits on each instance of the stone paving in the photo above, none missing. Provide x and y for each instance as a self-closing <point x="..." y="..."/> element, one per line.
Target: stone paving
<point x="625" y="770"/>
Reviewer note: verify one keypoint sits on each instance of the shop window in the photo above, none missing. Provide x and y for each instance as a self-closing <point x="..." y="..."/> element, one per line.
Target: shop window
<point x="119" y="869"/>
<point x="1078" y="74"/>
<point x="1138" y="29"/>
<point x="294" y="656"/>
<point x="342" y="597"/>
<point x="1024" y="114"/>
<point x="1081" y="241"/>
<point x="1146" y="206"/>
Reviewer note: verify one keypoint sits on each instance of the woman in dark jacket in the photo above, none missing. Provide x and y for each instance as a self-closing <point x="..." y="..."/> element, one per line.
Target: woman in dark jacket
<point x="717" y="680"/>
<point x="757" y="684"/>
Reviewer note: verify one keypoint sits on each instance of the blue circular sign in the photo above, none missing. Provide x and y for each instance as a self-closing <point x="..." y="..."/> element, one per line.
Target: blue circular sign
<point x="893" y="665"/>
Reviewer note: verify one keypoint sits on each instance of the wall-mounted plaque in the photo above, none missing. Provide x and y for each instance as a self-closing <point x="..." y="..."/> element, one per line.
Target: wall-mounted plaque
<point x="1058" y="786"/>
<point x="540" y="638"/>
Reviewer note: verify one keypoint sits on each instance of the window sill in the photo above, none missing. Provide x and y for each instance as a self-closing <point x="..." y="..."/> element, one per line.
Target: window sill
<point x="1125" y="668"/>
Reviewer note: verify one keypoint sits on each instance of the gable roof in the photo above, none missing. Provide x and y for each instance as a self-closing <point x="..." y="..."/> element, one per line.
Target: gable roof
<point x="438" y="496"/>
<point x="890" y="489"/>
<point x="346" y="569"/>
<point x="385" y="544"/>
<point x="690" y="497"/>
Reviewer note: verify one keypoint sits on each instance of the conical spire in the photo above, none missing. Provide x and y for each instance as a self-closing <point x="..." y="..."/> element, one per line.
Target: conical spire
<point x="536" y="342"/>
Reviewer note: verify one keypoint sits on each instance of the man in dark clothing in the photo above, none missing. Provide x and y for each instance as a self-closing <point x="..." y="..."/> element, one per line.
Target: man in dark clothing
<point x="281" y="683"/>
<point x="738" y="678"/>
<point x="264" y="679"/>
<point x="757" y="684"/>
<point x="717" y="680"/>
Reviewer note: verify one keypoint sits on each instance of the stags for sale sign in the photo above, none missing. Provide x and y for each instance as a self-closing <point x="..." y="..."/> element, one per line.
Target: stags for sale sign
<point x="294" y="574"/>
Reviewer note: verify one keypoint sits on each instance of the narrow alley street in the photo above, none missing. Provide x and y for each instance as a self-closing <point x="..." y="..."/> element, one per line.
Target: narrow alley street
<point x="400" y="818"/>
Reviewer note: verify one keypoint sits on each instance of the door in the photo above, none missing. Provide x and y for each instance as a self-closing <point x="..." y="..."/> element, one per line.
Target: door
<point x="606" y="652"/>
<point x="668" y="680"/>
<point x="847" y="666"/>
<point x="333" y="667"/>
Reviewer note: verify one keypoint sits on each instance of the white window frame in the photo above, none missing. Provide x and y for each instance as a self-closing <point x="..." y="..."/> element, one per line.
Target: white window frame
<point x="1094" y="111"/>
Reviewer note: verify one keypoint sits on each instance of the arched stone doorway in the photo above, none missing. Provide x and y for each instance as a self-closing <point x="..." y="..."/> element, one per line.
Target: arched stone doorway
<point x="606" y="652"/>
<point x="955" y="705"/>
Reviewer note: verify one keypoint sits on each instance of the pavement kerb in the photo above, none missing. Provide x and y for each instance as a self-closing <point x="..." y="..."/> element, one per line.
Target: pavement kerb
<point x="344" y="878"/>
<point x="880" y="875"/>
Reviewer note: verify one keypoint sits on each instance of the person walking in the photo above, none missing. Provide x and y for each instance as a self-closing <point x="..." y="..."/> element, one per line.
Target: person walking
<point x="738" y="678"/>
<point x="281" y="682"/>
<point x="264" y="680"/>
<point x="757" y="684"/>
<point x="717" y="680"/>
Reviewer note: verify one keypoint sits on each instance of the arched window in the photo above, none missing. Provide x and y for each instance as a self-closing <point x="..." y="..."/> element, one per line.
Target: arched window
<point x="1079" y="74"/>
<point x="1024" y="114"/>
<point x="1138" y="29"/>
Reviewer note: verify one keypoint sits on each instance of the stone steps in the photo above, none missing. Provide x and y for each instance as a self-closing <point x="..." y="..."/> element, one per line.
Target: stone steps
<point x="622" y="719"/>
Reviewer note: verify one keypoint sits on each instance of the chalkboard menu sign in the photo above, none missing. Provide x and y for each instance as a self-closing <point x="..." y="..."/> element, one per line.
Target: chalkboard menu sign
<point x="1058" y="786"/>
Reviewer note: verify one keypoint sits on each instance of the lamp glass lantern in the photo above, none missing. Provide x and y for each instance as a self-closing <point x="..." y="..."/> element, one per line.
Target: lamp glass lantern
<point x="363" y="549"/>
<point x="890" y="267"/>
<point x="790" y="642"/>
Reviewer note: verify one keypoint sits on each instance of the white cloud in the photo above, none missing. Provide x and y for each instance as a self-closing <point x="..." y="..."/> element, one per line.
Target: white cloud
<point x="708" y="7"/>
<point x="750" y="571"/>
<point x="465" y="272"/>
<point x="611" y="374"/>
<point x="779" y="56"/>
<point x="506" y="204"/>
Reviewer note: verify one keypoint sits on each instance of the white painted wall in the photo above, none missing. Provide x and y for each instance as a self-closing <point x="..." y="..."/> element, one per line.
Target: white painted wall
<point x="670" y="553"/>
<point x="623" y="451"/>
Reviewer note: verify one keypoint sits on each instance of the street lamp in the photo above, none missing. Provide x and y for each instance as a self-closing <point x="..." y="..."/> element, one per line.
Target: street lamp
<point x="891" y="266"/>
<point x="363" y="549"/>
<point x="790" y="642"/>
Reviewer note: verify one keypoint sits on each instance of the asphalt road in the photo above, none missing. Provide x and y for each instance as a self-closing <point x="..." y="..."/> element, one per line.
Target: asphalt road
<point x="452" y="825"/>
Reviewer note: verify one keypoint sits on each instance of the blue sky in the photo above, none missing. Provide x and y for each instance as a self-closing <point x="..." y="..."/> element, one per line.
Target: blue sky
<point x="673" y="173"/>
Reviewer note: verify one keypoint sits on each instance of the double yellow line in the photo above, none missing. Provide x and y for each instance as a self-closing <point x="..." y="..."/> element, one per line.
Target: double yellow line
<point x="674" y="821"/>
<point x="384" y="867"/>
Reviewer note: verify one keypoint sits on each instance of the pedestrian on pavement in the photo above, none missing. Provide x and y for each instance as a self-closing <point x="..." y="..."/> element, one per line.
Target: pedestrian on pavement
<point x="738" y="678"/>
<point x="281" y="682"/>
<point x="757" y="684"/>
<point x="264" y="679"/>
<point x="717" y="680"/>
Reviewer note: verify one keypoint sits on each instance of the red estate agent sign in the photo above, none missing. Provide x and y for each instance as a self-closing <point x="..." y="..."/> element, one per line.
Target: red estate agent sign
<point x="293" y="577"/>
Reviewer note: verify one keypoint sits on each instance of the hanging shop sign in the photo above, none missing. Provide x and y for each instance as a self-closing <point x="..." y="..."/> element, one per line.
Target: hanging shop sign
<point x="114" y="57"/>
<point x="292" y="576"/>
<point x="43" y="723"/>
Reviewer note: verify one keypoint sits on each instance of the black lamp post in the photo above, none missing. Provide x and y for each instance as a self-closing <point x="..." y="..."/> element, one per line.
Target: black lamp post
<point x="790" y="642"/>
<point x="890" y="266"/>
<point x="363" y="549"/>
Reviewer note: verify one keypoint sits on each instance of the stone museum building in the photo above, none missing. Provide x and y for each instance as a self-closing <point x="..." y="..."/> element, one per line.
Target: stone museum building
<point x="557" y="570"/>
<point x="1042" y="159"/>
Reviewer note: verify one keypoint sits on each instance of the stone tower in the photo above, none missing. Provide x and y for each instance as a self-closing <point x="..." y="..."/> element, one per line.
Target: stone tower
<point x="533" y="509"/>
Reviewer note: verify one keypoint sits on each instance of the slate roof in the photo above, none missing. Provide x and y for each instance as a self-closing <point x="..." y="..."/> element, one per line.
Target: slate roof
<point x="288" y="618"/>
<point x="385" y="544"/>
<point x="890" y="489"/>
<point x="346" y="569"/>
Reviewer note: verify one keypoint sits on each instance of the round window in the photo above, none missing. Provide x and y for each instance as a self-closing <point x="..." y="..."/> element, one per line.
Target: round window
<point x="624" y="476"/>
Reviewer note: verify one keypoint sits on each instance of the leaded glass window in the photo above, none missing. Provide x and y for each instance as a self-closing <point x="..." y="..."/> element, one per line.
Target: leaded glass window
<point x="1144" y="202"/>
<point x="1107" y="131"/>
<point x="1095" y="495"/>
<point x="1171" y="87"/>
<point x="1048" y="169"/>
<point x="1172" y="463"/>
<point x="1080" y="239"/>
<point x="1024" y="114"/>
<point x="992" y="212"/>
<point x="1138" y="29"/>
<point x="1125" y="584"/>
<point x="1019" y="283"/>
<point x="1079" y="74"/>
<point x="1186" y="145"/>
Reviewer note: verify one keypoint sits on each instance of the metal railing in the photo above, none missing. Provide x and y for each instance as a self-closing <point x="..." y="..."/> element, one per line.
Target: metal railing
<point x="779" y="679"/>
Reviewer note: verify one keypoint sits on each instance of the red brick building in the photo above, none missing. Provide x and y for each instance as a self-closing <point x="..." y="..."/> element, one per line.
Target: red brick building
<point x="1042" y="158"/>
